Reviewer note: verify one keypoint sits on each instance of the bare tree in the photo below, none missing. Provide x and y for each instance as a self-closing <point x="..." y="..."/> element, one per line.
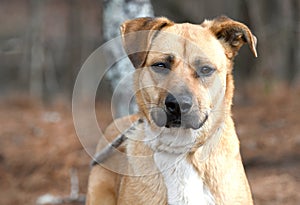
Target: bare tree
<point x="116" y="12"/>
<point x="33" y="60"/>
<point x="277" y="24"/>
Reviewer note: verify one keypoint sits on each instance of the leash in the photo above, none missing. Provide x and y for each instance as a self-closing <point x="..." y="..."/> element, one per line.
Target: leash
<point x="120" y="139"/>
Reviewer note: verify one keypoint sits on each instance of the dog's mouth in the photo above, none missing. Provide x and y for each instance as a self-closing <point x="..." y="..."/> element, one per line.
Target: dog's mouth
<point x="191" y="120"/>
<point x="186" y="122"/>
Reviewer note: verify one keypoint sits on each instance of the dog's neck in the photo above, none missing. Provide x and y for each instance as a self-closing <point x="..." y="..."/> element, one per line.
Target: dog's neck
<point x="172" y="149"/>
<point x="183" y="183"/>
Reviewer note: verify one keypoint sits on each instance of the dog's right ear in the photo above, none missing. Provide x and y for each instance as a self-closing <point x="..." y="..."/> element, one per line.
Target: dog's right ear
<point x="137" y="35"/>
<point x="232" y="35"/>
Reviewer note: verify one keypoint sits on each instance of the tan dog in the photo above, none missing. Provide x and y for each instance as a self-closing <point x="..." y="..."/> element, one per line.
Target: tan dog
<point x="185" y="151"/>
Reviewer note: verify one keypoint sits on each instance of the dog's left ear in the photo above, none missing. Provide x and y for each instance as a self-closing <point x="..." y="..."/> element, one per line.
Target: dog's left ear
<point x="137" y="35"/>
<point x="232" y="35"/>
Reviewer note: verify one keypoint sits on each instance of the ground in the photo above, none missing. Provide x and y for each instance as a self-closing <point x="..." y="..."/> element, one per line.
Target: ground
<point x="39" y="147"/>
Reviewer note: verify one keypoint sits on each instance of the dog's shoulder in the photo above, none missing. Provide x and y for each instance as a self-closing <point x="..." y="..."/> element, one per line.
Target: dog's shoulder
<point x="115" y="128"/>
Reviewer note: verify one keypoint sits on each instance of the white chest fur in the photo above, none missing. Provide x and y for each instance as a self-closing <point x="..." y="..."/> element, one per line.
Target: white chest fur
<point x="184" y="185"/>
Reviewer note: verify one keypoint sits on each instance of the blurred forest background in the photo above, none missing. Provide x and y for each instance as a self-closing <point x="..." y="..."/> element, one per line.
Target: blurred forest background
<point x="43" y="44"/>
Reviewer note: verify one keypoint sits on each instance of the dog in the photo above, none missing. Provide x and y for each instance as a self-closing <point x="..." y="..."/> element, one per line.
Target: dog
<point x="182" y="147"/>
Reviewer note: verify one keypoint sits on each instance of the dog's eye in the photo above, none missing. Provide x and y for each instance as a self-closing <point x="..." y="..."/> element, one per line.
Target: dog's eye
<point x="205" y="71"/>
<point x="160" y="67"/>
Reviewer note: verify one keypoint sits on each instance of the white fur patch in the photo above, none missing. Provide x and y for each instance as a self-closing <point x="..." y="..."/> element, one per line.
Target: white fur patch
<point x="184" y="185"/>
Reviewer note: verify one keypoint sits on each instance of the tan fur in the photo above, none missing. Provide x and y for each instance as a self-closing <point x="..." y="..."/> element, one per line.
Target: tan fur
<point x="215" y="154"/>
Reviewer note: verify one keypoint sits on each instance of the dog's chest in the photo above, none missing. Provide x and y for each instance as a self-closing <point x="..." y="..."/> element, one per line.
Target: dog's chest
<point x="184" y="185"/>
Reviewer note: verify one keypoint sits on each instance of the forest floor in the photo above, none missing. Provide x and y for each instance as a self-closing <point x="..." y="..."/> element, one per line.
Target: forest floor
<point x="39" y="147"/>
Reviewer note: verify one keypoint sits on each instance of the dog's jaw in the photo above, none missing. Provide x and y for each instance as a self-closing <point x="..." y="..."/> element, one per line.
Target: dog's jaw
<point x="170" y="140"/>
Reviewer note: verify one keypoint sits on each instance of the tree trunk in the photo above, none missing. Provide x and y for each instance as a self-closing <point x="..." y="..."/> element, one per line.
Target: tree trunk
<point x="115" y="13"/>
<point x="36" y="53"/>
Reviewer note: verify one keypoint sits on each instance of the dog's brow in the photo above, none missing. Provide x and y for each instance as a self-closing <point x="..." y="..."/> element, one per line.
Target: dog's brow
<point x="166" y="57"/>
<point x="197" y="62"/>
<point x="201" y="61"/>
<point x="170" y="58"/>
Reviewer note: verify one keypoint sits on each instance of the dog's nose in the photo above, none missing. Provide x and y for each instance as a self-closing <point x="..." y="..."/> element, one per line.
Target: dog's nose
<point x="178" y="105"/>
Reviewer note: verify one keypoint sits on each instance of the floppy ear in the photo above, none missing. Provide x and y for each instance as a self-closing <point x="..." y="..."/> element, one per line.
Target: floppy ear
<point x="137" y="35"/>
<point x="233" y="35"/>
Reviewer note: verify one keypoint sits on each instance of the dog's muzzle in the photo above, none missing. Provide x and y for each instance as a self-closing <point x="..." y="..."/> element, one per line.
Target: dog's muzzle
<point x="177" y="112"/>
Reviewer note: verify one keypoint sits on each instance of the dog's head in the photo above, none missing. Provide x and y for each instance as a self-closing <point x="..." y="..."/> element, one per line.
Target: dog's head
<point x="183" y="78"/>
